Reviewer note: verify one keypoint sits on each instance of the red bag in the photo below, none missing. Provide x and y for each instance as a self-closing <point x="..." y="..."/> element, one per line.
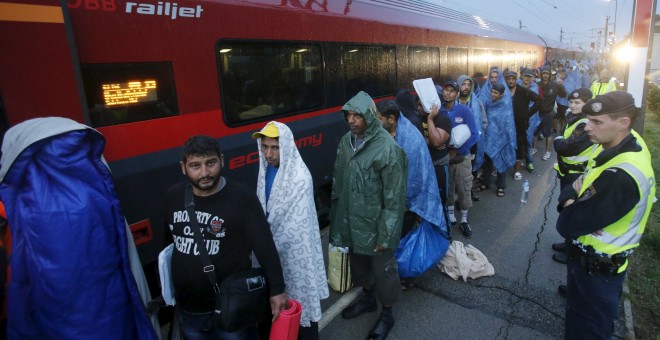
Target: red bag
<point x="288" y="323"/>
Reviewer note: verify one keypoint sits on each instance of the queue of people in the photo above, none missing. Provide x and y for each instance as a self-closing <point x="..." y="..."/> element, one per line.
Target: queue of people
<point x="399" y="165"/>
<point x="376" y="197"/>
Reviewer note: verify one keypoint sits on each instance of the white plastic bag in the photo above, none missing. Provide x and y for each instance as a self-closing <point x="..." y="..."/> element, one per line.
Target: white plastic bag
<point x="427" y="93"/>
<point x="165" y="271"/>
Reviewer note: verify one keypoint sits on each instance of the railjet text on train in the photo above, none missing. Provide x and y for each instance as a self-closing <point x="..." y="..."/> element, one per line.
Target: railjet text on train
<point x="168" y="9"/>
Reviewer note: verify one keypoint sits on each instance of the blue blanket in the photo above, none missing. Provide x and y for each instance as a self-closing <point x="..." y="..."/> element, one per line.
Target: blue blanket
<point x="499" y="139"/>
<point x="71" y="276"/>
<point x="534" y="120"/>
<point x="423" y="197"/>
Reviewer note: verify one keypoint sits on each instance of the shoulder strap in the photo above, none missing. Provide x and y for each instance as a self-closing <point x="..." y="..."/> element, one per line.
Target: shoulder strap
<point x="209" y="269"/>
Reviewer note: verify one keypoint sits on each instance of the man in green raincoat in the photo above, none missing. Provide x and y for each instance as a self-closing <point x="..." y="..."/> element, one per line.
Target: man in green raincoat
<point x="368" y="201"/>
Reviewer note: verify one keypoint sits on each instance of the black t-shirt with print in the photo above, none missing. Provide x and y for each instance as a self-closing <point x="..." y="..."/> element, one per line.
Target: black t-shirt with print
<point x="233" y="225"/>
<point x="443" y="122"/>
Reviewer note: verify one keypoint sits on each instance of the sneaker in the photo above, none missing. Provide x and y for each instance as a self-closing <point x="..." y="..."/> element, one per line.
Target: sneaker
<point x="530" y="168"/>
<point x="546" y="155"/>
<point x="541" y="137"/>
<point x="452" y="219"/>
<point x="517" y="176"/>
<point x="362" y="304"/>
<point x="534" y="151"/>
<point x="466" y="230"/>
<point x="493" y="173"/>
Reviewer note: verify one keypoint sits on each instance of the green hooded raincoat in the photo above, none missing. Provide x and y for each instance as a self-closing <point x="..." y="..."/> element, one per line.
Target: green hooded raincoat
<point x="369" y="186"/>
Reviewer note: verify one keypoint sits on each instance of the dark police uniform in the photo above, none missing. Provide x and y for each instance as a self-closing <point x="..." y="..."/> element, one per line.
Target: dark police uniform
<point x="616" y="197"/>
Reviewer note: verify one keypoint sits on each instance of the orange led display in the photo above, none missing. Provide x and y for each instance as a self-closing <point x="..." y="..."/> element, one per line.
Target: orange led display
<point x="132" y="92"/>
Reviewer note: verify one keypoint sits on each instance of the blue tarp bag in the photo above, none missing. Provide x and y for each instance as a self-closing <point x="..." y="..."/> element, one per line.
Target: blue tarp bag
<point x="423" y="247"/>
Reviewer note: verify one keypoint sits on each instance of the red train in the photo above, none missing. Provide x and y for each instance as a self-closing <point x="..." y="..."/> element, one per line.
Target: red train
<point x="148" y="74"/>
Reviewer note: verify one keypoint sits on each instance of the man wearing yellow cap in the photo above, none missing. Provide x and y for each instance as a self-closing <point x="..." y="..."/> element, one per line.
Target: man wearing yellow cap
<point x="286" y="192"/>
<point x="604" y="214"/>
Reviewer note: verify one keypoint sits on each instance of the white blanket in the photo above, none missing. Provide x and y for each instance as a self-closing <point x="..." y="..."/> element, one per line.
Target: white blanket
<point x="293" y="221"/>
<point x="465" y="262"/>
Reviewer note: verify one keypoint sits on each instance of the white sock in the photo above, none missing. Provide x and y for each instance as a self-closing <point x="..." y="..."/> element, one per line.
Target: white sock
<point x="464" y="216"/>
<point x="450" y="212"/>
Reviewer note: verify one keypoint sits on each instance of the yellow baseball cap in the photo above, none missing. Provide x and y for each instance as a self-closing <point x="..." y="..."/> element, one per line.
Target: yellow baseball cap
<point x="270" y="130"/>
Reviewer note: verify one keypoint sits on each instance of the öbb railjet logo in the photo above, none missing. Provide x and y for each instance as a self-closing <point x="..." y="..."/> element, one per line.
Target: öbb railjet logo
<point x="167" y="9"/>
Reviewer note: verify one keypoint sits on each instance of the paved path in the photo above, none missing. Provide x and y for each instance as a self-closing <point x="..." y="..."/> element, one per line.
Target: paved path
<point x="519" y="302"/>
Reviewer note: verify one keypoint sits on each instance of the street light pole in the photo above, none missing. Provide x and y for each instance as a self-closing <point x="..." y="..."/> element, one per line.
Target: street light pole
<point x="616" y="7"/>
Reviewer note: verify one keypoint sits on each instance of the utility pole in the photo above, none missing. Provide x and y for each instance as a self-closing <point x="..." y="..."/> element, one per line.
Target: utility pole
<point x="561" y="34"/>
<point x="607" y="19"/>
<point x="520" y="25"/>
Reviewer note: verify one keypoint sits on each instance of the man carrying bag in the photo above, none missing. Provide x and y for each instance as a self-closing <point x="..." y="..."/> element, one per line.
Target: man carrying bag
<point x="231" y="225"/>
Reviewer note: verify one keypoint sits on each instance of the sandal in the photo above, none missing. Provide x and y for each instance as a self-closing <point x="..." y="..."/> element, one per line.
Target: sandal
<point x="500" y="192"/>
<point x="483" y="187"/>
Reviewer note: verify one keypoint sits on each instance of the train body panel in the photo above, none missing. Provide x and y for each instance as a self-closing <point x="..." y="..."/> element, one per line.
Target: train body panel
<point x="149" y="74"/>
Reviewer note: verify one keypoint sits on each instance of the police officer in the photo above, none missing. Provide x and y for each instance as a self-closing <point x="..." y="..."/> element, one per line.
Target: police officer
<point x="573" y="149"/>
<point x="604" y="213"/>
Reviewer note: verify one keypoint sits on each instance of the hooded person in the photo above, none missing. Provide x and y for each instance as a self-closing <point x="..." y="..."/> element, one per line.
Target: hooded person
<point x="422" y="197"/>
<point x="408" y="106"/>
<point x="286" y="192"/>
<point x="470" y="99"/>
<point x="71" y="251"/>
<point x="498" y="145"/>
<point x="367" y="204"/>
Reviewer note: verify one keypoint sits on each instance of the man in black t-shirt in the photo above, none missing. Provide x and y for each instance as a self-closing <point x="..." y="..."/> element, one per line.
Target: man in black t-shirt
<point x="233" y="226"/>
<point x="438" y="130"/>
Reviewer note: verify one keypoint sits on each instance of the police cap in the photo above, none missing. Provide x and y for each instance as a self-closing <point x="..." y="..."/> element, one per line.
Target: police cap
<point x="581" y="93"/>
<point x="610" y="102"/>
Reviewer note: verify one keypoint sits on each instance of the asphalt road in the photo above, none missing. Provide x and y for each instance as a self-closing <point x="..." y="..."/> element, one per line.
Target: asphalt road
<point x="519" y="302"/>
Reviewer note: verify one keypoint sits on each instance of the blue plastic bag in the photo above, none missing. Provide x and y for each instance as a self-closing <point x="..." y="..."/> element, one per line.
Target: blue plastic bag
<point x="418" y="251"/>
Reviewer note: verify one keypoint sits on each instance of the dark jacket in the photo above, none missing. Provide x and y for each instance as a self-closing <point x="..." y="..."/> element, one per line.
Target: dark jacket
<point x="521" y="109"/>
<point x="548" y="93"/>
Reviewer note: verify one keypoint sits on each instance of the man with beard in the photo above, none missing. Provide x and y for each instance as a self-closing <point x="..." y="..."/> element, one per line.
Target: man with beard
<point x="366" y="212"/>
<point x="286" y="191"/>
<point x="460" y="163"/>
<point x="233" y="225"/>
<point x="470" y="99"/>
<point x="522" y="98"/>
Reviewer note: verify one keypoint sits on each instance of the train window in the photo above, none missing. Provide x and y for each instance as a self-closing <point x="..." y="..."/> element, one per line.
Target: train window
<point x="129" y="92"/>
<point x="479" y="61"/>
<point x="369" y="68"/>
<point x="457" y="59"/>
<point x="496" y="58"/>
<point x="265" y="79"/>
<point x="528" y="60"/>
<point x="424" y="62"/>
<point x="510" y="61"/>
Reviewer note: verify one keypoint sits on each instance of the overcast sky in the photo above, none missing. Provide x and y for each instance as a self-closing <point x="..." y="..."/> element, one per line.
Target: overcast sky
<point x="579" y="19"/>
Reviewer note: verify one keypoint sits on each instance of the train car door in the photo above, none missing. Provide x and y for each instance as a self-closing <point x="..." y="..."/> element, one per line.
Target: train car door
<point x="39" y="71"/>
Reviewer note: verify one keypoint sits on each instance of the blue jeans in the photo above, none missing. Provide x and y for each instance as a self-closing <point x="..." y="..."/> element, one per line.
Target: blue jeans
<point x="200" y="327"/>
